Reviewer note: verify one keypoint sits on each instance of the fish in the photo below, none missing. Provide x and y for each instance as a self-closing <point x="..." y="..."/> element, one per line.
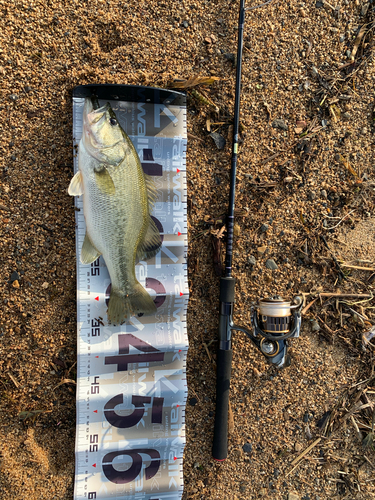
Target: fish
<point x="117" y="202"/>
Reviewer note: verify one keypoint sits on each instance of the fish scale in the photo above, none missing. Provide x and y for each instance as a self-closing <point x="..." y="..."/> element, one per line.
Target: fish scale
<point x="101" y="447"/>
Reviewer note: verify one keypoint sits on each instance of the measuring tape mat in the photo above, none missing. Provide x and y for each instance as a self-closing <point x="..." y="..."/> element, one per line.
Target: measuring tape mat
<point x="131" y="379"/>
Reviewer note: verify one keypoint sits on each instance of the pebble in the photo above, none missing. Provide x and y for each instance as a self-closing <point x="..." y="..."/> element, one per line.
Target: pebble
<point x="312" y="195"/>
<point x="13" y="97"/>
<point x="218" y="139"/>
<point x="262" y="492"/>
<point x="263" y="228"/>
<point x="315" y="326"/>
<point x="193" y="401"/>
<point x="251" y="260"/>
<point x="323" y="193"/>
<point x="279" y="123"/>
<point x="15" y="284"/>
<point x="247" y="447"/>
<point x="14" y="276"/>
<point x="306" y="416"/>
<point x="271" y="264"/>
<point x="298" y="447"/>
<point x="262" y="249"/>
<point x="293" y="496"/>
<point x="45" y="285"/>
<point x="185" y="24"/>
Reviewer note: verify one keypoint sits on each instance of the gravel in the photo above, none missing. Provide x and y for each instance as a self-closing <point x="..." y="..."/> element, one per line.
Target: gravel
<point x="291" y="60"/>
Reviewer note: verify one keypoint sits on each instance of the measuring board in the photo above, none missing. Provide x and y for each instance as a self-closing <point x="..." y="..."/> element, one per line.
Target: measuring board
<point x="131" y="380"/>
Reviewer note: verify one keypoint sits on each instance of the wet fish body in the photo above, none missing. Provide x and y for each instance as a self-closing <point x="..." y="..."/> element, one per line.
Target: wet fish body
<point x="117" y="200"/>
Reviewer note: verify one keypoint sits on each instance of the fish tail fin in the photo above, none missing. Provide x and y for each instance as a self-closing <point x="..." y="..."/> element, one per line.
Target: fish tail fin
<point x="122" y="306"/>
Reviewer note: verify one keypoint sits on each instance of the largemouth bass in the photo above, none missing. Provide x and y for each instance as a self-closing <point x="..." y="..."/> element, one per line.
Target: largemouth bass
<point x="117" y="199"/>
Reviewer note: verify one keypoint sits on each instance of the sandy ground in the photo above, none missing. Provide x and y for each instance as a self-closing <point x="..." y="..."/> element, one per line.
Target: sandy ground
<point x="307" y="176"/>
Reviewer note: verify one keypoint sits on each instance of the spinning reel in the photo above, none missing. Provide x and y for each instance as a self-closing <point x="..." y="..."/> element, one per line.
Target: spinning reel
<point x="275" y="320"/>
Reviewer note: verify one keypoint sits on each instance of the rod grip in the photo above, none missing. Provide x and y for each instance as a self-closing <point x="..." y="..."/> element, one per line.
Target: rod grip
<point x="224" y="366"/>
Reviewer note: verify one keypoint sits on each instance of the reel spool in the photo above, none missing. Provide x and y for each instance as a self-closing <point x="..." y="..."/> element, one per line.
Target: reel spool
<point x="275" y="319"/>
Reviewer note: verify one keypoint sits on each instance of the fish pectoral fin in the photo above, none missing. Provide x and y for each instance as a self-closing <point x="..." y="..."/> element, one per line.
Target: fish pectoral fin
<point x="88" y="252"/>
<point x="151" y="243"/>
<point x="76" y="185"/>
<point x="104" y="181"/>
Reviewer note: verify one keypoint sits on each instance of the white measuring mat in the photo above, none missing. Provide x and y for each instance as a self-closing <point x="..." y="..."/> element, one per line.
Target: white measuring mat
<point x="131" y="380"/>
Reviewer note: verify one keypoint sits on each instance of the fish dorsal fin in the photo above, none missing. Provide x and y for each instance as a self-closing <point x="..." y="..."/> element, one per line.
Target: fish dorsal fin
<point x="151" y="242"/>
<point x="76" y="185"/>
<point x="88" y="252"/>
<point x="104" y="181"/>
<point x="152" y="193"/>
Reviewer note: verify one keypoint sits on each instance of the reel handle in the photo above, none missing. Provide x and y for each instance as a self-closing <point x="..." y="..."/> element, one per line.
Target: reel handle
<point x="224" y="368"/>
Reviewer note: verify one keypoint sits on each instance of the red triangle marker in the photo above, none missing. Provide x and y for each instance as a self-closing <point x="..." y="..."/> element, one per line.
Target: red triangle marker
<point x="177" y="406"/>
<point x="96" y="356"/>
<point x="175" y="458"/>
<point x="181" y="294"/>
<point x="97" y="298"/>
<point x="95" y="411"/>
<point x="179" y="234"/>
<point x="178" y="170"/>
<point x="94" y="465"/>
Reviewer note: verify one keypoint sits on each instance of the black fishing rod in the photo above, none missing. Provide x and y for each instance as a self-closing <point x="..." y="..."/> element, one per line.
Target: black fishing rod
<point x="274" y="326"/>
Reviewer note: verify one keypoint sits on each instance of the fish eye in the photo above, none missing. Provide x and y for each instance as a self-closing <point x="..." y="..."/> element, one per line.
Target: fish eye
<point x="113" y="121"/>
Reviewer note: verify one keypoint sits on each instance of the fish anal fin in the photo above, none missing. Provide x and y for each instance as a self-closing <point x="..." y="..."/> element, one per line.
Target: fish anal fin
<point x="122" y="306"/>
<point x="88" y="252"/>
<point x="151" y="242"/>
<point x="104" y="181"/>
<point x="76" y="185"/>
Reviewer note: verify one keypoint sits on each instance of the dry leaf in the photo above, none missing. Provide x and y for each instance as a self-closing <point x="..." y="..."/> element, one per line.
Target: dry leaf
<point x="182" y="83"/>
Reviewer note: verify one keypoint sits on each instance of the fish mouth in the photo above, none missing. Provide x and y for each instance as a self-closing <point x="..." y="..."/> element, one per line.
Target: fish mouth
<point x="95" y="115"/>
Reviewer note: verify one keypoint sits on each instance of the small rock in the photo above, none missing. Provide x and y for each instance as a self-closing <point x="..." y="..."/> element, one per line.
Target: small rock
<point x="323" y="193"/>
<point x="247" y="447"/>
<point x="312" y="195"/>
<point x="45" y="285"/>
<point x="261" y="250"/>
<point x="251" y="260"/>
<point x="185" y="24"/>
<point x="315" y="326"/>
<point x="279" y="123"/>
<point x="193" y="401"/>
<point x="263" y="228"/>
<point x="13" y="97"/>
<point x="15" y="284"/>
<point x="342" y="38"/>
<point x="14" y="276"/>
<point x="319" y="5"/>
<point x="230" y="57"/>
<point x="271" y="264"/>
<point x="297" y="447"/>
<point x="262" y="492"/>
<point x="306" y="417"/>
<point x="348" y="54"/>
<point x="218" y="139"/>
<point x="293" y="496"/>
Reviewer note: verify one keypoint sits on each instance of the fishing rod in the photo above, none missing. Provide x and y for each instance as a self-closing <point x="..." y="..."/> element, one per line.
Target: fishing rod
<point x="272" y="321"/>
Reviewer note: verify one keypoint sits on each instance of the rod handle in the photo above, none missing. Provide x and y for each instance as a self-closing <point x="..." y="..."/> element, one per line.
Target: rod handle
<point x="224" y="366"/>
